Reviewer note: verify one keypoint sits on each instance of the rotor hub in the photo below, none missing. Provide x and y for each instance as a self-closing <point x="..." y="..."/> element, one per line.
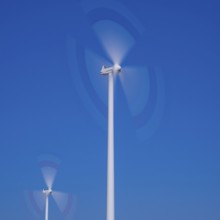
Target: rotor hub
<point x="116" y="68"/>
<point x="47" y="192"/>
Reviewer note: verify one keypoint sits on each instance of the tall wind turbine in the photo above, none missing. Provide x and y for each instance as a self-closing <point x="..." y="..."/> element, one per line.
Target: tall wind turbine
<point x="116" y="47"/>
<point x="116" y="33"/>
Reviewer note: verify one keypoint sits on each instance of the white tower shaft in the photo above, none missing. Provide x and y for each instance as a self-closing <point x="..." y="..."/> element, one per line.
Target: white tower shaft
<point x="110" y="165"/>
<point x="46" y="207"/>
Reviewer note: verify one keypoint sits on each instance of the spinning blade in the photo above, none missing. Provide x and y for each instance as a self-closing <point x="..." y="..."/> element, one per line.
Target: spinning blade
<point x="135" y="83"/>
<point x="115" y="40"/>
<point x="35" y="201"/>
<point x="93" y="63"/>
<point x="49" y="169"/>
<point x="65" y="202"/>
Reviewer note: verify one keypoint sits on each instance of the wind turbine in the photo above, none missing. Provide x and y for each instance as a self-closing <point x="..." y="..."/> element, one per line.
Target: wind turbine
<point x="40" y="200"/>
<point x="117" y="31"/>
<point x="116" y="42"/>
<point x="116" y="49"/>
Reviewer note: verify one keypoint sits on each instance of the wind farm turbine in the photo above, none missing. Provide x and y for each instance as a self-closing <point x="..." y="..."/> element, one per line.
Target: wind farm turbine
<point x="116" y="49"/>
<point x="40" y="201"/>
<point x="117" y="44"/>
<point x="116" y="33"/>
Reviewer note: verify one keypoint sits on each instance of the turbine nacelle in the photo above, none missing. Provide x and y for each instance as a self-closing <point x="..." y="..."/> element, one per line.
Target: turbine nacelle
<point x="109" y="70"/>
<point x="47" y="192"/>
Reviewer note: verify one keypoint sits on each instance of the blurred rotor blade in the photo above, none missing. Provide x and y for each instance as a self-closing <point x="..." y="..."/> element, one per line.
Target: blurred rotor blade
<point x="135" y="83"/>
<point x="49" y="176"/>
<point x="81" y="75"/>
<point x="94" y="64"/>
<point x="49" y="167"/>
<point x="115" y="39"/>
<point x="35" y="201"/>
<point x="95" y="61"/>
<point x="65" y="202"/>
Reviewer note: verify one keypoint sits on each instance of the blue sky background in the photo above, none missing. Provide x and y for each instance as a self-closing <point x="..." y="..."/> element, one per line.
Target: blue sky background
<point x="172" y="174"/>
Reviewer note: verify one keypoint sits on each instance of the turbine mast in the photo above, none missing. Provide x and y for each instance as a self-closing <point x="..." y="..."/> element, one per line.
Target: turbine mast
<point x="110" y="71"/>
<point x="46" y="206"/>
<point x="110" y="165"/>
<point x="47" y="193"/>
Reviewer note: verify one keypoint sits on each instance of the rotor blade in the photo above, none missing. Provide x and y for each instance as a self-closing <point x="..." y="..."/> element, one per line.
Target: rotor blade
<point x="95" y="61"/>
<point x="35" y="201"/>
<point x="83" y="85"/>
<point x="115" y="39"/>
<point x="49" y="176"/>
<point x="49" y="169"/>
<point x="65" y="202"/>
<point x="94" y="64"/>
<point x="135" y="83"/>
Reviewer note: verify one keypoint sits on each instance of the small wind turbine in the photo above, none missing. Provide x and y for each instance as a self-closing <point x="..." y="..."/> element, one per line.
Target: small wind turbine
<point x="40" y="200"/>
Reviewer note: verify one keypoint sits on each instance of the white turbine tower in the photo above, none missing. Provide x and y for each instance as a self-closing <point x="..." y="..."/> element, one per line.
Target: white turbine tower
<point x="47" y="193"/>
<point x="110" y="71"/>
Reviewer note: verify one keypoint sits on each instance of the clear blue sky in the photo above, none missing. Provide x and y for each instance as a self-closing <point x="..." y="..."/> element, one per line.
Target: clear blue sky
<point x="172" y="170"/>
